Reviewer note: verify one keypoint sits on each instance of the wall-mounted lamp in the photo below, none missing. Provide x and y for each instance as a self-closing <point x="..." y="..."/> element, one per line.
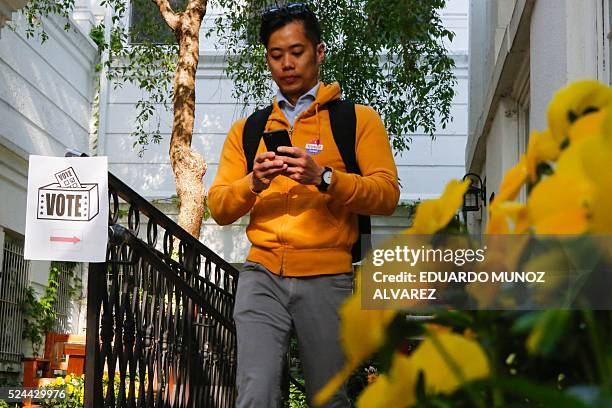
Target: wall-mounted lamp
<point x="476" y="193"/>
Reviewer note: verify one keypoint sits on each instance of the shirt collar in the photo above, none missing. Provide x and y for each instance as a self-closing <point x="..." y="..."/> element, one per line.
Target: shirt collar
<point x="312" y="94"/>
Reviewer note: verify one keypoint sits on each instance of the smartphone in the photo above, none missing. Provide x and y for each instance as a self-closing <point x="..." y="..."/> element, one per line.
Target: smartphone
<point x="276" y="139"/>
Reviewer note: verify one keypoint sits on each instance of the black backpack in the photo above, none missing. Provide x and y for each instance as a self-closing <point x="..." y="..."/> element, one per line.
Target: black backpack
<point x="344" y="126"/>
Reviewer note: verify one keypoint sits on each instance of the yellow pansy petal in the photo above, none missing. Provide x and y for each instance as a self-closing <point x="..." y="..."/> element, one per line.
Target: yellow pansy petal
<point x="433" y="215"/>
<point x="595" y="156"/>
<point x="557" y="197"/>
<point x="369" y="326"/>
<point x="574" y="101"/>
<point x="500" y="214"/>
<point x="556" y="263"/>
<point x="601" y="215"/>
<point x="325" y="393"/>
<point x="433" y="355"/>
<point x="590" y="159"/>
<point x="534" y="338"/>
<point x="512" y="182"/>
<point x="366" y="325"/>
<point x="587" y="126"/>
<point x="397" y="389"/>
<point x="571" y="163"/>
<point x="503" y="254"/>
<point x="542" y="147"/>
<point x="563" y="223"/>
<point x="379" y="394"/>
<point x="497" y="222"/>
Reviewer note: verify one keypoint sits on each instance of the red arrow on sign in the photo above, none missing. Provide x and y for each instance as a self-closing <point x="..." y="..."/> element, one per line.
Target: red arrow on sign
<point x="74" y="240"/>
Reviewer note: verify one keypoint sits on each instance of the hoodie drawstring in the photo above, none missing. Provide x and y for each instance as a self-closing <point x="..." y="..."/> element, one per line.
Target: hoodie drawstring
<point x="318" y="123"/>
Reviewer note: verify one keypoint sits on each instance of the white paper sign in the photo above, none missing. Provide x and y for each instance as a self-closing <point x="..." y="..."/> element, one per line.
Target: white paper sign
<point x="67" y="210"/>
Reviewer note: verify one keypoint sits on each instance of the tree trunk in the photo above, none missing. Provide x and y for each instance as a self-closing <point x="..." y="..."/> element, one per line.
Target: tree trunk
<point x="188" y="166"/>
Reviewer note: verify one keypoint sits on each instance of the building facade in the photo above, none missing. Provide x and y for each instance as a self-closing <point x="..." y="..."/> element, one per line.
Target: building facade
<point x="522" y="52"/>
<point x="46" y="93"/>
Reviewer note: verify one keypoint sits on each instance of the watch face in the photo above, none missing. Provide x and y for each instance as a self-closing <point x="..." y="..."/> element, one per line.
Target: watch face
<point x="327" y="176"/>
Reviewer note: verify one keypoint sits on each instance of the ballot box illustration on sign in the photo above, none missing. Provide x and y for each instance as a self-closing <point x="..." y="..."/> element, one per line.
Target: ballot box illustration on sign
<point x="68" y="199"/>
<point x="67" y="209"/>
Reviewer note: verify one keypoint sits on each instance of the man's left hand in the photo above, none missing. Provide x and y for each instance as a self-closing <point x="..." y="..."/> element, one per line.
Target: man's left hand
<point x="301" y="166"/>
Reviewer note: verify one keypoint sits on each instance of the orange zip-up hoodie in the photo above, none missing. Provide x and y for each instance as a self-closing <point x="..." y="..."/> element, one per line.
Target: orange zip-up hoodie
<point x="296" y="230"/>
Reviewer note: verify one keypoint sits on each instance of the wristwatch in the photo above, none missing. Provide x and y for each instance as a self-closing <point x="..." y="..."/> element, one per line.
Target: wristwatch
<point x="326" y="178"/>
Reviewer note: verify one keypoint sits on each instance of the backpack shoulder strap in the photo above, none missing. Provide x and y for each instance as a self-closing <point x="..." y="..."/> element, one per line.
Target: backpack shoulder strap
<point x="344" y="129"/>
<point x="251" y="135"/>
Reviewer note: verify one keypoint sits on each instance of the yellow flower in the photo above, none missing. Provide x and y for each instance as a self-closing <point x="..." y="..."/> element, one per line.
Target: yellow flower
<point x="447" y="360"/>
<point x="556" y="263"/>
<point x="557" y="205"/>
<point x="433" y="215"/>
<point x="589" y="125"/>
<point x="59" y="381"/>
<point x="503" y="254"/>
<point x="70" y="389"/>
<point x="595" y="154"/>
<point x="512" y="182"/>
<point x="362" y="332"/>
<point x="439" y="352"/>
<point x="500" y="214"/>
<point x="67" y="379"/>
<point x="542" y="148"/>
<point x="395" y="389"/>
<point x="573" y="102"/>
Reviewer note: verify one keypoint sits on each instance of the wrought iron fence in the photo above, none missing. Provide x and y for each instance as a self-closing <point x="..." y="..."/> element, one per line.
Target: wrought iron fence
<point x="159" y="325"/>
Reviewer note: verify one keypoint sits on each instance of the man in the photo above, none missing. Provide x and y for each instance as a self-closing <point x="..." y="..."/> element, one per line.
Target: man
<point x="303" y="207"/>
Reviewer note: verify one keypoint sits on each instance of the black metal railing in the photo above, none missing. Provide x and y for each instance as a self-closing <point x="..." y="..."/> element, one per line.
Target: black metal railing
<point x="159" y="315"/>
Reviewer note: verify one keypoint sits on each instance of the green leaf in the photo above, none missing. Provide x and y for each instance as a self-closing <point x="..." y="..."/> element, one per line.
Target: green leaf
<point x="536" y="393"/>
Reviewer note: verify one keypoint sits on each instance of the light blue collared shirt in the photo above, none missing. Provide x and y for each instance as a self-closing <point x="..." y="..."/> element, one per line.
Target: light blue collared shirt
<point x="291" y="112"/>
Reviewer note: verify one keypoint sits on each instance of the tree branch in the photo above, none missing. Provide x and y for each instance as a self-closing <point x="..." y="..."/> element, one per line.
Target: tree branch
<point x="170" y="17"/>
<point x="198" y="6"/>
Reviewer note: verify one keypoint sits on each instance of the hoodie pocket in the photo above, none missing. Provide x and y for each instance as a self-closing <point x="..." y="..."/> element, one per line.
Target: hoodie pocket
<point x="310" y="223"/>
<point x="266" y="220"/>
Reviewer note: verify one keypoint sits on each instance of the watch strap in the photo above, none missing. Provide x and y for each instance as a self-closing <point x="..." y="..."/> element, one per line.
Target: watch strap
<point x="323" y="185"/>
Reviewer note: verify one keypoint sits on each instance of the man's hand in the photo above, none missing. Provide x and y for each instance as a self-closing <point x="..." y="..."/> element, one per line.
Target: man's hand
<point x="266" y="166"/>
<point x="301" y="166"/>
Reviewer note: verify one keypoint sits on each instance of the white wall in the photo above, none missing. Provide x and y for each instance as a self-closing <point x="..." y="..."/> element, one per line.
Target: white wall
<point x="548" y="56"/>
<point x="46" y="93"/>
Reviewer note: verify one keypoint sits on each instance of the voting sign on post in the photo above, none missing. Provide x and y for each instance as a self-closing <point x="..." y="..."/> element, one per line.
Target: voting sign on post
<point x="67" y="209"/>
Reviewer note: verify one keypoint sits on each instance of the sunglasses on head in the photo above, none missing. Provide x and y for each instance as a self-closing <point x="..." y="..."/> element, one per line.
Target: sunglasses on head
<point x="292" y="9"/>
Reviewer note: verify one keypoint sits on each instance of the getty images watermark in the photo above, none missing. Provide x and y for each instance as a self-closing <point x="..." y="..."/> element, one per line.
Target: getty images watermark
<point x="501" y="272"/>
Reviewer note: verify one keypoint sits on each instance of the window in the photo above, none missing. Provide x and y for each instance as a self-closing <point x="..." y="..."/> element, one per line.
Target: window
<point x="62" y="306"/>
<point x="14" y="279"/>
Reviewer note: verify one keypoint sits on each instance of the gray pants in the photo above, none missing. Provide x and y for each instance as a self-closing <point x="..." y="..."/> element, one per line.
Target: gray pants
<point x="266" y="307"/>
